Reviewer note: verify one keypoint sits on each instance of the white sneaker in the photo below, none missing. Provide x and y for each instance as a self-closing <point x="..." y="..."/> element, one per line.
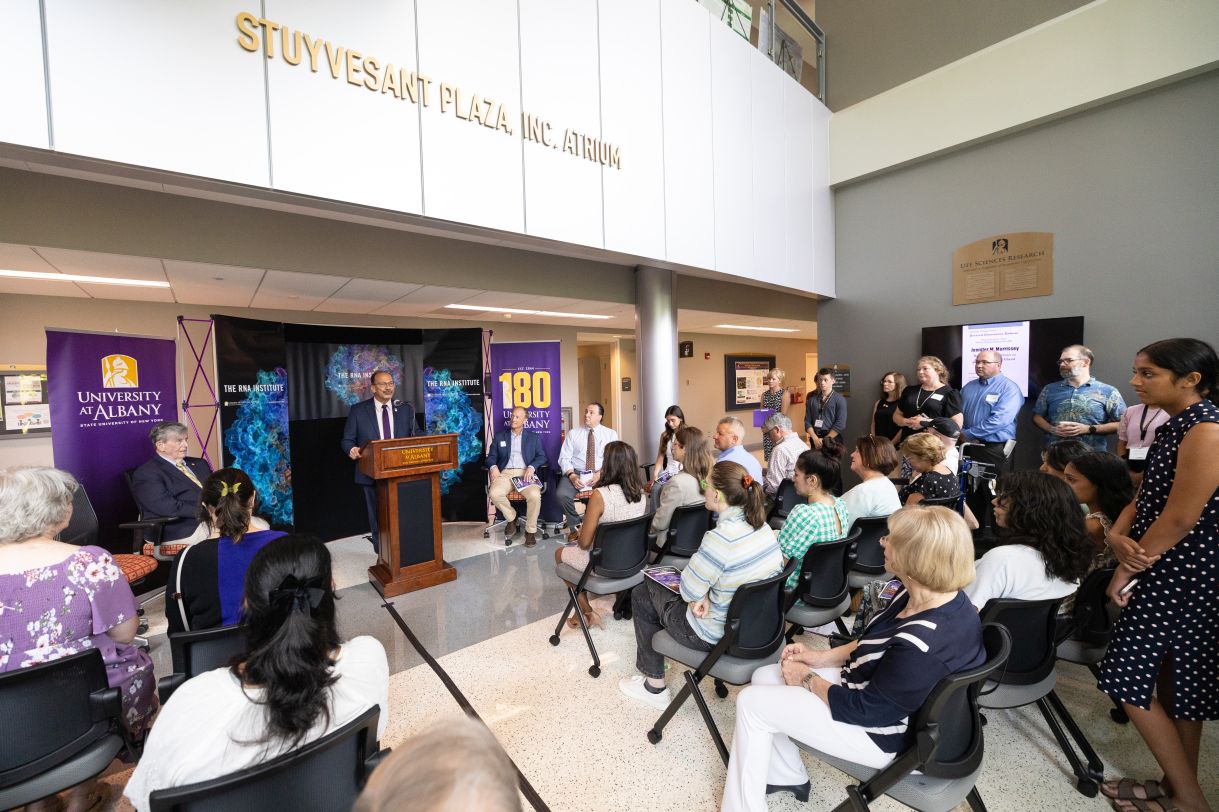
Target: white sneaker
<point x="635" y="687"/>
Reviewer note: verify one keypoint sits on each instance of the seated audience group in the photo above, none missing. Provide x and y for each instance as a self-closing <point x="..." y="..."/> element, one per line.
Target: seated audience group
<point x="1080" y="511"/>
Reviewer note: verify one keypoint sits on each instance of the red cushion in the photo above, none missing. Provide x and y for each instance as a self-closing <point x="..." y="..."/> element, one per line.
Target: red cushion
<point x="166" y="549"/>
<point x="135" y="567"/>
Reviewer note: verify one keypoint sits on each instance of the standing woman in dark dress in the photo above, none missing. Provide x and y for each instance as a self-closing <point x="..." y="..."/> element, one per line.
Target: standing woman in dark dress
<point x="777" y="399"/>
<point x="931" y="398"/>
<point x="1168" y="539"/>
<point x="892" y="384"/>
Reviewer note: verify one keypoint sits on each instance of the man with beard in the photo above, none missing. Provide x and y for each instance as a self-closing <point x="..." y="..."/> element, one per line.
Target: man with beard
<point x="1079" y="405"/>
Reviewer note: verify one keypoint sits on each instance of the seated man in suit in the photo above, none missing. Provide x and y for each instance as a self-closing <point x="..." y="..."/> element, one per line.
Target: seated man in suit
<point x="516" y="452"/>
<point x="580" y="462"/>
<point x="169" y="485"/>
<point x="378" y="418"/>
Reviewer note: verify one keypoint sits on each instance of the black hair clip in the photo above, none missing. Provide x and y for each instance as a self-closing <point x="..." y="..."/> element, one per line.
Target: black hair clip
<point x="301" y="595"/>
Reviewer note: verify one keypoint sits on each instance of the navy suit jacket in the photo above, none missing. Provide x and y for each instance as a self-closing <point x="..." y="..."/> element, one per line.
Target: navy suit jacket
<point x="362" y="426"/>
<point x="501" y="449"/>
<point x="161" y="490"/>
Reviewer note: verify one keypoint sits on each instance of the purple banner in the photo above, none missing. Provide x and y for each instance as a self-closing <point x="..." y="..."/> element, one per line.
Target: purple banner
<point x="106" y="392"/>
<point x="527" y="374"/>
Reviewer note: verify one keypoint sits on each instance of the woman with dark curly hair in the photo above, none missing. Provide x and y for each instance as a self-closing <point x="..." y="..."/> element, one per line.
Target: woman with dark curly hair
<point x="1056" y="455"/>
<point x="1043" y="551"/>
<point x="1102" y="483"/>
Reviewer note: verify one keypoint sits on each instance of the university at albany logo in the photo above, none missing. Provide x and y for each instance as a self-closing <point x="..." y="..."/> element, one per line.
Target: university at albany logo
<point x="120" y="372"/>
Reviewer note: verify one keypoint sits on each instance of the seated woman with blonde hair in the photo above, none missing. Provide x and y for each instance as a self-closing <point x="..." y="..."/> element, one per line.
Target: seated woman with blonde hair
<point x="856" y="701"/>
<point x="934" y="479"/>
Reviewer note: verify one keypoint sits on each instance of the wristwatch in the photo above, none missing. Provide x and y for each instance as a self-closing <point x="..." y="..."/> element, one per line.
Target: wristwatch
<point x="807" y="681"/>
<point x="1092" y="429"/>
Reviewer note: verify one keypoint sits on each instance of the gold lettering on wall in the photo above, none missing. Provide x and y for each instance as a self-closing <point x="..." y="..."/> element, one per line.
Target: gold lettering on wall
<point x="255" y="33"/>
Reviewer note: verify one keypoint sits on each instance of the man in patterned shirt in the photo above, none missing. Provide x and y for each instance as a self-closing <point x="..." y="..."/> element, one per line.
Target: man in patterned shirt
<point x="1078" y="405"/>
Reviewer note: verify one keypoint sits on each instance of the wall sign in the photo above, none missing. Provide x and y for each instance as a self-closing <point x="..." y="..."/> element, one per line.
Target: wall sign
<point x="842" y="379"/>
<point x="685" y="349"/>
<point x="745" y="380"/>
<point x="24" y="409"/>
<point x="1006" y="266"/>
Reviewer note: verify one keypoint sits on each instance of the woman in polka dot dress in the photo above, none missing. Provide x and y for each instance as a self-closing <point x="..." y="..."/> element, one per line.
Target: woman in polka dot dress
<point x="1166" y="639"/>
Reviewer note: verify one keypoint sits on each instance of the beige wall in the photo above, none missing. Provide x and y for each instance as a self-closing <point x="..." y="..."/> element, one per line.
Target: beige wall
<point x="23" y="340"/>
<point x="700" y="384"/>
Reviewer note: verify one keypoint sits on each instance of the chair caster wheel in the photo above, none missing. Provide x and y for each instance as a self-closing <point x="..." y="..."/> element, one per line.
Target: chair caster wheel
<point x="594" y="671"/>
<point x="721" y="690"/>
<point x="507" y="542"/>
<point x="1087" y="787"/>
<point x="617" y="614"/>
<point x="654" y="736"/>
<point x="554" y="639"/>
<point x="1119" y="716"/>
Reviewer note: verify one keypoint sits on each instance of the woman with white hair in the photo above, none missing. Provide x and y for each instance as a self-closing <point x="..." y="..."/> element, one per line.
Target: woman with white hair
<point x="58" y="599"/>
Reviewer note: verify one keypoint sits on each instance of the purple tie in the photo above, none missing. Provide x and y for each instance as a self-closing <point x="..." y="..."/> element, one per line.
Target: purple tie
<point x="386" y="431"/>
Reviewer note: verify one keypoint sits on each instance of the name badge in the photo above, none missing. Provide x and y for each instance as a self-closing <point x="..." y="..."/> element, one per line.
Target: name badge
<point x="937" y="397"/>
<point x="503" y="443"/>
<point x="992" y="398"/>
<point x="1137" y="453"/>
<point x="818" y="424"/>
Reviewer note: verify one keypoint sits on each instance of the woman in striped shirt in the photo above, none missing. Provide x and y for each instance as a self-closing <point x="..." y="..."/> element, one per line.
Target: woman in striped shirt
<point x="740" y="548"/>
<point x="855" y="701"/>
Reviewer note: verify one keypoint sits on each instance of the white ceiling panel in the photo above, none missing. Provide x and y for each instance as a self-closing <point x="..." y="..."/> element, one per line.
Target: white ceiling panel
<point x="112" y="265"/>
<point x="23" y="258"/>
<point x="202" y="284"/>
<point x="38" y="287"/>
<point x="285" y="290"/>
<point x="365" y="296"/>
<point x="425" y="300"/>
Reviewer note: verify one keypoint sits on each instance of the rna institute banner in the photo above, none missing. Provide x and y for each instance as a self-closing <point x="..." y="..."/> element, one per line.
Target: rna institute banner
<point x="106" y="392"/>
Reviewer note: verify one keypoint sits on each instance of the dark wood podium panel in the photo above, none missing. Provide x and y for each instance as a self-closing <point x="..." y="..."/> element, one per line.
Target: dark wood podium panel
<point x="407" y="472"/>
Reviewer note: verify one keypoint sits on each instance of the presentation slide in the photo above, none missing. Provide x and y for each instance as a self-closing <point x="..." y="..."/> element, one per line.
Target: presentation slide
<point x="1008" y="338"/>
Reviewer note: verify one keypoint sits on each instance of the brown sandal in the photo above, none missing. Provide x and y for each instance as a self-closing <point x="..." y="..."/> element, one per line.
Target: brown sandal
<point x="1125" y="789"/>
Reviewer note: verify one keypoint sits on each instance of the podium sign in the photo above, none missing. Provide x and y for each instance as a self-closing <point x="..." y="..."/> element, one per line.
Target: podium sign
<point x="407" y="472"/>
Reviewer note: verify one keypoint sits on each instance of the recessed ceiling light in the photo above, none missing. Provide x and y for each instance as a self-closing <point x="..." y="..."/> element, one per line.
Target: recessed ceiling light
<point x="75" y="277"/>
<point x="488" y="309"/>
<point x="763" y="329"/>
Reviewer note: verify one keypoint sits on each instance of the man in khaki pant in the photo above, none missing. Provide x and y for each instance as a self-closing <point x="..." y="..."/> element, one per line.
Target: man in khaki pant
<point x="516" y="452"/>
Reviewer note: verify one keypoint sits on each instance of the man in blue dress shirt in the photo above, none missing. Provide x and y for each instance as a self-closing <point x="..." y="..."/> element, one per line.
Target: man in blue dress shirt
<point x="729" y="436"/>
<point x="990" y="405"/>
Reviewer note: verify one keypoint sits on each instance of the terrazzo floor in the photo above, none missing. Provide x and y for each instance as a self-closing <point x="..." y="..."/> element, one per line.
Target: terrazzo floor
<point x="583" y="745"/>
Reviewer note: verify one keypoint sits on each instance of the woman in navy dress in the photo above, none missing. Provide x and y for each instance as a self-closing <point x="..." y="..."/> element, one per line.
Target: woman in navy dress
<point x="1168" y="539"/>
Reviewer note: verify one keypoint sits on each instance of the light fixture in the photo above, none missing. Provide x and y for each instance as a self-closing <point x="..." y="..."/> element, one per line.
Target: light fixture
<point x="488" y="309"/>
<point x="75" y="277"/>
<point x="763" y="329"/>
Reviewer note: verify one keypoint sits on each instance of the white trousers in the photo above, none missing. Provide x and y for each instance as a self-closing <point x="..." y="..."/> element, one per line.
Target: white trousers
<point x="767" y="713"/>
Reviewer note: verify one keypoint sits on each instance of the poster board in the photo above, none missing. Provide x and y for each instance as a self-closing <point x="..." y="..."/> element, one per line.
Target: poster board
<point x="745" y="380"/>
<point x="24" y="407"/>
<point x="1016" y="265"/>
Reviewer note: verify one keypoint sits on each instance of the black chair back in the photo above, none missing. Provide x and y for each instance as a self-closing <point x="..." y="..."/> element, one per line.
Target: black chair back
<point x="54" y="711"/>
<point x="949" y="502"/>
<point x="195" y="653"/>
<point x="326" y="774"/>
<point x="1032" y="626"/>
<point x="757" y="610"/>
<point x="823" y="572"/>
<point x="83" y="526"/>
<point x="620" y="549"/>
<point x="686" y="530"/>
<point x="953" y="708"/>
<point x="869" y="555"/>
<point x="1091" y="619"/>
<point x="786" y="498"/>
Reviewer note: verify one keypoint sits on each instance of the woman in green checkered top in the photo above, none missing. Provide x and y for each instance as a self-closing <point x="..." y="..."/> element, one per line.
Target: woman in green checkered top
<point x="824" y="516"/>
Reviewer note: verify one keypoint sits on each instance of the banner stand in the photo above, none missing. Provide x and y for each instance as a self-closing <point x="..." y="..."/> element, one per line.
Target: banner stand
<point x="199" y="371"/>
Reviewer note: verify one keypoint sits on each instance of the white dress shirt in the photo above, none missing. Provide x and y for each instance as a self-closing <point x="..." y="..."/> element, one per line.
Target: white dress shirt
<point x="575" y="448"/>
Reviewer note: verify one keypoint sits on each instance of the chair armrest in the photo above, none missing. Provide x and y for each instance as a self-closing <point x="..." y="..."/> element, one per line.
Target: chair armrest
<point x="137" y="529"/>
<point x="374" y="760"/>
<point x="858" y="797"/>
<point x="168" y="684"/>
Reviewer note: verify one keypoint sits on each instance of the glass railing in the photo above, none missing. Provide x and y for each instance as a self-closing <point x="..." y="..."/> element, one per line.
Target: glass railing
<point x="783" y="30"/>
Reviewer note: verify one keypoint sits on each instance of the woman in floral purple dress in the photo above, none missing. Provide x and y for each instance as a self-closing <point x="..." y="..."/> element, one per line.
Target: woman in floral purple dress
<point x="57" y="599"/>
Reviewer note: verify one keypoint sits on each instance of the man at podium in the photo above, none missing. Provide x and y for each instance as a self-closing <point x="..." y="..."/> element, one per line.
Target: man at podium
<point x="378" y="418"/>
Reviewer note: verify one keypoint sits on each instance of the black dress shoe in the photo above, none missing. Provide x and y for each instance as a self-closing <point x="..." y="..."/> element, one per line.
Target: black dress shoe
<point x="801" y="791"/>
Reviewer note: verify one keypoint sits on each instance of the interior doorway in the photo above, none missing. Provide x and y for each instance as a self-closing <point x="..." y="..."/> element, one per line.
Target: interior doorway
<point x="605" y="362"/>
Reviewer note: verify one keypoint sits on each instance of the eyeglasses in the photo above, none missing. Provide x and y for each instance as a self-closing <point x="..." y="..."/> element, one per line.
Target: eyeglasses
<point x="1062" y="361"/>
<point x="993" y="362"/>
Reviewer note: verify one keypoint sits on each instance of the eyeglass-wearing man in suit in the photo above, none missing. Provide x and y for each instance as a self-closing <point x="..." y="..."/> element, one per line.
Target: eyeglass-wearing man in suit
<point x="516" y="451"/>
<point x="378" y="418"/>
<point x="170" y="484"/>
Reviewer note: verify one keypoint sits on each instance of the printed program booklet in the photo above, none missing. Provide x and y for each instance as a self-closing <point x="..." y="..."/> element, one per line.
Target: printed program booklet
<point x="668" y="577"/>
<point x="521" y="484"/>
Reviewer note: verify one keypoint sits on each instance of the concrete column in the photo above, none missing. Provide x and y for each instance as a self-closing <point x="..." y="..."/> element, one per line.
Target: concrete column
<point x="656" y="347"/>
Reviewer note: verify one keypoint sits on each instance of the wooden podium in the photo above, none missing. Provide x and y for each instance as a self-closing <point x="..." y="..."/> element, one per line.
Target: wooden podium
<point x="407" y="473"/>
